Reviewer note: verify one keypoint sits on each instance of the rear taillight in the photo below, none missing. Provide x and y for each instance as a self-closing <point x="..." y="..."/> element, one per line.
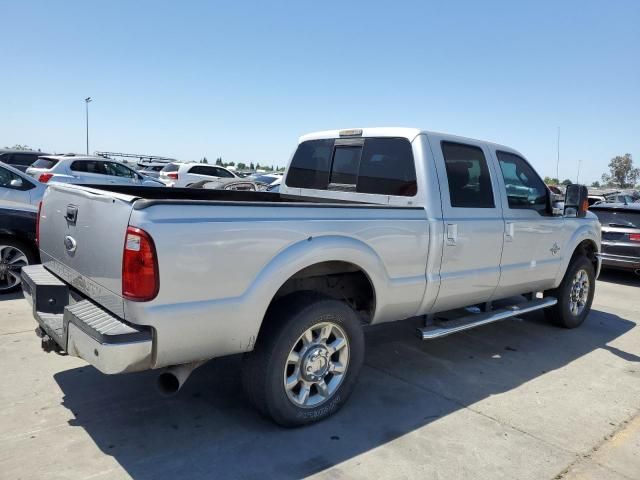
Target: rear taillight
<point x="634" y="237"/>
<point x="140" y="276"/>
<point x="172" y="175"/>
<point x="45" y="177"/>
<point x="38" y="223"/>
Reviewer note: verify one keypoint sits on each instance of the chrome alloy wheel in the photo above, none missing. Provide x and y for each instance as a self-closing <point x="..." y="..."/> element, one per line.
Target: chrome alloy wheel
<point x="11" y="262"/>
<point x="579" y="293"/>
<point x="316" y="365"/>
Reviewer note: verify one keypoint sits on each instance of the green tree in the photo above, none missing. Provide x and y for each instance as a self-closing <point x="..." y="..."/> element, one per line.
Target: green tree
<point x="551" y="181"/>
<point x="219" y="161"/>
<point x="566" y="181"/>
<point x="622" y="173"/>
<point x="241" y="166"/>
<point x="204" y="160"/>
<point x="230" y="164"/>
<point x="257" y="166"/>
<point x="596" y="184"/>
<point x="252" y="167"/>
<point x="17" y="146"/>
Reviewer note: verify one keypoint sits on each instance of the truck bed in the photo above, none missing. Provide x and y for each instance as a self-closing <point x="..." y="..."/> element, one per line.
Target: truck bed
<point x="156" y="195"/>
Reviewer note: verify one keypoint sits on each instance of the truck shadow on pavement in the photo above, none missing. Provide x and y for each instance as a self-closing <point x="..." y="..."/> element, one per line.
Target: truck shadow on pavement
<point x="209" y="431"/>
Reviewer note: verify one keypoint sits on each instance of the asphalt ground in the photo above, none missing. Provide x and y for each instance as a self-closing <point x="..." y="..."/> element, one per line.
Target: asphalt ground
<point x="520" y="399"/>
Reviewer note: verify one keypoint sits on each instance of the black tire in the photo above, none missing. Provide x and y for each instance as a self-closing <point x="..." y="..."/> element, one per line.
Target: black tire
<point x="561" y="313"/>
<point x="28" y="252"/>
<point x="285" y="323"/>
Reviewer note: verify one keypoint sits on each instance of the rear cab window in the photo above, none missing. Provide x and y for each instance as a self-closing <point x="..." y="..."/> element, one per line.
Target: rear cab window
<point x="374" y="165"/>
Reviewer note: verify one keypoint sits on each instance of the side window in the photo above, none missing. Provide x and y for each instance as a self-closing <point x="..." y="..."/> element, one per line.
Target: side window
<point x="23" y="159"/>
<point x="89" y="166"/>
<point x="387" y="168"/>
<point x="524" y="187"/>
<point x="468" y="176"/>
<point x="310" y="165"/>
<point x="6" y="177"/>
<point x="202" y="170"/>
<point x="221" y="172"/>
<point x="117" y="170"/>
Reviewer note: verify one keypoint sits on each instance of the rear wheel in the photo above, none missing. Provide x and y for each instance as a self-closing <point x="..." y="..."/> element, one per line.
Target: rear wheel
<point x="306" y="361"/>
<point x="574" y="294"/>
<point x="14" y="254"/>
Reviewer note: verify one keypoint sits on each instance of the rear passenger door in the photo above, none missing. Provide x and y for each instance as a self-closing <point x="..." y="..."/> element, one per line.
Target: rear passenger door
<point x="473" y="224"/>
<point x="89" y="172"/>
<point x="534" y="238"/>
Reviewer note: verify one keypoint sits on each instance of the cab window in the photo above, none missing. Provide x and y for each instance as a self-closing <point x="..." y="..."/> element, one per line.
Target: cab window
<point x="468" y="176"/>
<point x="525" y="189"/>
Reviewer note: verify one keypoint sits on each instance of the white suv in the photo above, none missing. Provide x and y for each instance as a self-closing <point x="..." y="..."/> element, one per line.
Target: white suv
<point x="186" y="174"/>
<point x="87" y="170"/>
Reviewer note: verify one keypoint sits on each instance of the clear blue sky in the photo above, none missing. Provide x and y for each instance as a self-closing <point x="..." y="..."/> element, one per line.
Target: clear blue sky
<point x="243" y="80"/>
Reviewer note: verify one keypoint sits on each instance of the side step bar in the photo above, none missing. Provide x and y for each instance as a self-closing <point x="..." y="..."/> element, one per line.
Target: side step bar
<point x="478" y="319"/>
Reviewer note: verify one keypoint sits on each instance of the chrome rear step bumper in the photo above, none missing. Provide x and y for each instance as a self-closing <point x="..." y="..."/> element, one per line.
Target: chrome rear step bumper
<point x="474" y="320"/>
<point x="70" y="323"/>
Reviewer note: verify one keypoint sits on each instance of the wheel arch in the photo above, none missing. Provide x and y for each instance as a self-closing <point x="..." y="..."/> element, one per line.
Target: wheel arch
<point x="583" y="242"/>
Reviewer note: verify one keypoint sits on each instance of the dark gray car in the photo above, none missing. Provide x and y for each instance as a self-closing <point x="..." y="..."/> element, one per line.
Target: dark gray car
<point x="620" y="234"/>
<point x="20" y="159"/>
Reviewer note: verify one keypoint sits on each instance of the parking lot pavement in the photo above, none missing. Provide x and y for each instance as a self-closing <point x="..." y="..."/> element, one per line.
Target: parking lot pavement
<point x="519" y="399"/>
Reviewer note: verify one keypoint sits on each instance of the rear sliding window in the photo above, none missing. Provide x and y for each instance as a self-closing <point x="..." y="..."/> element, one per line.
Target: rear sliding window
<point x="612" y="218"/>
<point x="45" y="163"/>
<point x="382" y="166"/>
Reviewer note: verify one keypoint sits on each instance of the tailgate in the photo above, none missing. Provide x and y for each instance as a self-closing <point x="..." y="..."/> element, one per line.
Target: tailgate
<point x="82" y="232"/>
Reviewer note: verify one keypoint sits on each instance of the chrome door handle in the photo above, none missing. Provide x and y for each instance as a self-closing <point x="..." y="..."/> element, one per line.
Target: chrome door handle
<point x="509" y="231"/>
<point x="452" y="233"/>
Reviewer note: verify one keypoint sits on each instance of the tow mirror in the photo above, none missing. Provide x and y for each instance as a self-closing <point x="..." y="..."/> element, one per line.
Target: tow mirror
<point x="576" y="201"/>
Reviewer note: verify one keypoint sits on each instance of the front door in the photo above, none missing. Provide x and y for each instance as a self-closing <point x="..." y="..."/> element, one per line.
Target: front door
<point x="473" y="223"/>
<point x="533" y="238"/>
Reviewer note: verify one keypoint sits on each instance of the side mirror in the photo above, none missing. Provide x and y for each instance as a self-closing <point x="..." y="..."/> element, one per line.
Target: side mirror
<point x="16" y="183"/>
<point x="576" y="201"/>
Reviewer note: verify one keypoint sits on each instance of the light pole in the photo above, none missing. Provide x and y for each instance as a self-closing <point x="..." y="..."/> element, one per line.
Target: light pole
<point x="86" y="104"/>
<point x="578" y="175"/>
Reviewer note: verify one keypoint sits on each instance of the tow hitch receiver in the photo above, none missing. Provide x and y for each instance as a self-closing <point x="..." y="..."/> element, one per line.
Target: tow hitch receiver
<point x="48" y="344"/>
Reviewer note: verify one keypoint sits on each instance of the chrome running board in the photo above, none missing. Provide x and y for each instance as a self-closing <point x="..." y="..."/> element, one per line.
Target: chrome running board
<point x="478" y="319"/>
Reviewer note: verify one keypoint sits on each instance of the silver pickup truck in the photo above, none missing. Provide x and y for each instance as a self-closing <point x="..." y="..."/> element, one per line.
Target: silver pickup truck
<point x="370" y="226"/>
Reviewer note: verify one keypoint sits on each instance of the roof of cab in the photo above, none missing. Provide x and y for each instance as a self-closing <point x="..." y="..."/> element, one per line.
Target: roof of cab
<point x="402" y="132"/>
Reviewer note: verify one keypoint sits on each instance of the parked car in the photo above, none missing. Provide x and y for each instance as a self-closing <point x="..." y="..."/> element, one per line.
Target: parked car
<point x="18" y="190"/>
<point x="80" y="169"/>
<point x="151" y="169"/>
<point x="185" y="174"/>
<point x="620" y="235"/>
<point x="20" y="159"/>
<point x="370" y="226"/>
<point x="17" y="245"/>
<point x="266" y="178"/>
<point x="242" y="184"/>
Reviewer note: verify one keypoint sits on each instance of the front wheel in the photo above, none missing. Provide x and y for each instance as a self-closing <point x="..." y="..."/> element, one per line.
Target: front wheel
<point x="306" y="361"/>
<point x="574" y="294"/>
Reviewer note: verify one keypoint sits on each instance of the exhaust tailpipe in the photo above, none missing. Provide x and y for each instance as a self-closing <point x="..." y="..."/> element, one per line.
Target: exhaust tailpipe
<point x="171" y="380"/>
